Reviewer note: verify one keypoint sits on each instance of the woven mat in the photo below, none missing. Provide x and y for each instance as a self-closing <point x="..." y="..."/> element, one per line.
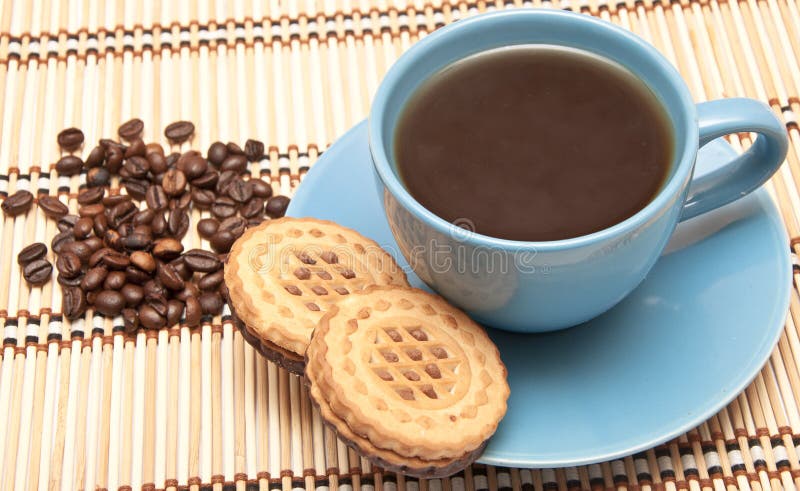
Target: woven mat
<point x="84" y="406"/>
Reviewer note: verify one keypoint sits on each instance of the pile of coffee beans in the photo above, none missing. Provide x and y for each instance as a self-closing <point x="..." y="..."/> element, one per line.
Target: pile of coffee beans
<point x="122" y="253"/>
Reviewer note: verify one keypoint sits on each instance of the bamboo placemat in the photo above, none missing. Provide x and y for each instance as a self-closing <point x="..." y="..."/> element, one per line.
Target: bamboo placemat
<point x="85" y="406"/>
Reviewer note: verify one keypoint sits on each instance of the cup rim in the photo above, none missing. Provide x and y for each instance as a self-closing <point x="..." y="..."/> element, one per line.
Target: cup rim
<point x="392" y="79"/>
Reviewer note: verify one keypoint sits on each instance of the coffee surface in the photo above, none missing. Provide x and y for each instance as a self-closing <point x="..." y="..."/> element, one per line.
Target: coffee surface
<point x="534" y="143"/>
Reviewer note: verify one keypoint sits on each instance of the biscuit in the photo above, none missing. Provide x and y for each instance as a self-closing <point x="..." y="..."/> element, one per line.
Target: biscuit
<point x="284" y="274"/>
<point x="415" y="379"/>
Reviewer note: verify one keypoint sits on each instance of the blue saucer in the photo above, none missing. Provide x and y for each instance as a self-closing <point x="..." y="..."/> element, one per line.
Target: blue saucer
<point x="670" y="356"/>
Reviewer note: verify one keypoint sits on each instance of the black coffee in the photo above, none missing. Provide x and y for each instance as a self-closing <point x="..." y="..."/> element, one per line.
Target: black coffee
<point x="534" y="143"/>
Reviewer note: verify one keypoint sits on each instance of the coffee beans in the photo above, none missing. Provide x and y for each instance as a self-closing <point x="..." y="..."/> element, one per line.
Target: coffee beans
<point x="254" y="150"/>
<point x="202" y="261"/>
<point x="109" y="302"/>
<point x="70" y="139"/>
<point x="131" y="130"/>
<point x="179" y="131"/>
<point x="121" y="254"/>
<point x="73" y="302"/>
<point x="37" y="272"/>
<point x="18" y="203"/>
<point x="31" y="253"/>
<point x="207" y="227"/>
<point x="276" y="206"/>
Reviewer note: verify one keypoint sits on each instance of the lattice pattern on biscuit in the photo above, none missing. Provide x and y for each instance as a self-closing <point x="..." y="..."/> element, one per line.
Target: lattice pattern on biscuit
<point x="414" y="363"/>
<point x="317" y="273"/>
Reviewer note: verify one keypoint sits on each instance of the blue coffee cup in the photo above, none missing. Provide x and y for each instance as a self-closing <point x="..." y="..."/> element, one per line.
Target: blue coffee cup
<point x="544" y="286"/>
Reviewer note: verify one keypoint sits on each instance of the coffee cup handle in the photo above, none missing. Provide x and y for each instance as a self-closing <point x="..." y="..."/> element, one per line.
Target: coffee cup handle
<point x="732" y="180"/>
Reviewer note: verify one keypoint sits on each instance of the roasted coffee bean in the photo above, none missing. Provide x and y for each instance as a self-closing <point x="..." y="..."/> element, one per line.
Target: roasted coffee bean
<point x="190" y="290"/>
<point x="235" y="163"/>
<point x="182" y="202"/>
<point x="137" y="148"/>
<point x="131" y="129"/>
<point x="158" y="163"/>
<point x="143" y="260"/>
<point x="109" y="302"/>
<point x="185" y="158"/>
<point x="172" y="159"/>
<point x="223" y="290"/>
<point x="254" y="207"/>
<point x="73" y="302"/>
<point x="202" y="198"/>
<point x="80" y="249"/>
<point x="154" y="289"/>
<point x="113" y="200"/>
<point x="207" y="227"/>
<point x="276" y="206"/>
<point x="91" y="196"/>
<point x="194" y="166"/>
<point x="224" y="207"/>
<point x="116" y="260"/>
<point x="206" y="181"/>
<point x="174" y="182"/>
<point x="100" y="224"/>
<point x="130" y="320"/>
<point x="136" y="276"/>
<point x="225" y="179"/>
<point x="114" y="280"/>
<point x="156" y="198"/>
<point x="179" y="131"/>
<point x="94" y="278"/>
<point x="98" y="177"/>
<point x="234" y="225"/>
<point x="31" y="253"/>
<point x="182" y="269"/>
<point x="167" y="248"/>
<point x="94" y="244"/>
<point x="18" y="203"/>
<point x="70" y="139"/>
<point x="83" y="228"/>
<point x="254" y="150"/>
<point x="64" y="281"/>
<point x="210" y="303"/>
<point x="137" y="166"/>
<point x="61" y="240"/>
<point x="107" y="143"/>
<point x="69" y="165"/>
<point x="68" y="264"/>
<point x="113" y="239"/>
<point x="222" y="241"/>
<point x="211" y="281"/>
<point x="201" y="261"/>
<point x="159" y="224"/>
<point x="178" y="222"/>
<point x="217" y="153"/>
<point x="154" y="147"/>
<point x="194" y="311"/>
<point x="137" y="241"/>
<point x="91" y="210"/>
<point x="122" y="213"/>
<point x="261" y="188"/>
<point x="37" y="272"/>
<point x="174" y="312"/>
<point x="150" y="319"/>
<point x="96" y="157"/>
<point x="234" y="149"/>
<point x="240" y="190"/>
<point x="169" y="277"/>
<point x="143" y="217"/>
<point x="67" y="222"/>
<point x="114" y="159"/>
<point x="133" y="294"/>
<point x="136" y="188"/>
<point x="53" y="207"/>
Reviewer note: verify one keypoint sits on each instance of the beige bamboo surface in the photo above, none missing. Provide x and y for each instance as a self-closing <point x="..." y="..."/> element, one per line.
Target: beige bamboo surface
<point x="84" y="406"/>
